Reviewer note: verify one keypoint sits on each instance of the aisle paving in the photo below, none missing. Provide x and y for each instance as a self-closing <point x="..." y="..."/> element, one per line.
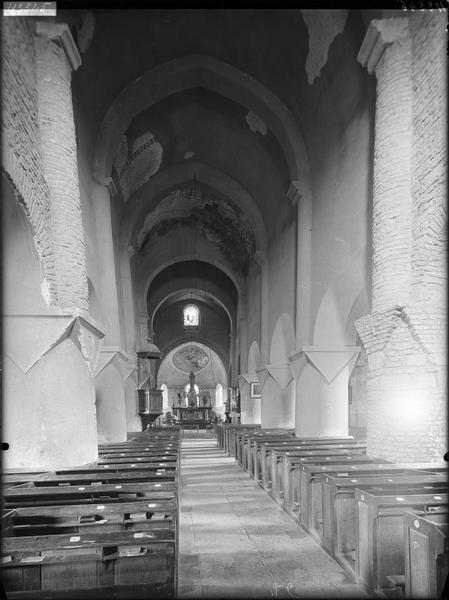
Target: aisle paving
<point x="235" y="541"/>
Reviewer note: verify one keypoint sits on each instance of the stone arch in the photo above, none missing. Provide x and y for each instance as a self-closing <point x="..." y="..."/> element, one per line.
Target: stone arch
<point x="110" y="405"/>
<point x="331" y="323"/>
<point x="235" y="278"/>
<point x="282" y="340"/>
<point x="180" y="174"/>
<point x="253" y="358"/>
<point x="194" y="299"/>
<point x="199" y="71"/>
<point x="201" y="339"/>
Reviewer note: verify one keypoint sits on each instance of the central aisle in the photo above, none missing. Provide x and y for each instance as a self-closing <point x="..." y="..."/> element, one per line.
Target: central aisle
<point x="235" y="541"/>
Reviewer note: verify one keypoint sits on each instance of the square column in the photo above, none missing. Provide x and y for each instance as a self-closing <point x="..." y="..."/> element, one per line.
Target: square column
<point x="324" y="372"/>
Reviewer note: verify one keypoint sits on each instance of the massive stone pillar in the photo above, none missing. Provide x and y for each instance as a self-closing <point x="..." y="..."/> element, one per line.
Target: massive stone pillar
<point x="51" y="344"/>
<point x="301" y="197"/>
<point x="49" y="416"/>
<point x="110" y="400"/>
<point x="250" y="406"/>
<point x="403" y="336"/>
<point x="56" y="56"/>
<point x="322" y="400"/>
<point x="261" y="260"/>
<point x="106" y="268"/>
<point x="278" y="396"/>
<point x="109" y="380"/>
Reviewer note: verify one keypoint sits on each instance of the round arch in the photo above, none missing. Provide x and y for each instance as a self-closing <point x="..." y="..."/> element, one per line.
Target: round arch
<point x="235" y="278"/>
<point x="213" y="373"/>
<point x="188" y="72"/>
<point x="195" y="338"/>
<point x="177" y="175"/>
<point x="337" y="303"/>
<point x="253" y="358"/>
<point x="194" y="298"/>
<point x="282" y="340"/>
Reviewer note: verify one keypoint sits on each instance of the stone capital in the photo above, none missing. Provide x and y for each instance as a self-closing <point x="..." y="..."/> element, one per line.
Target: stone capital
<point x="296" y="191"/>
<point x="109" y="354"/>
<point x="28" y="338"/>
<point x="260" y="258"/>
<point x="329" y="361"/>
<point x="111" y="187"/>
<point x="248" y="378"/>
<point x="281" y="374"/>
<point x="298" y="362"/>
<point x="61" y="33"/>
<point x="380" y="34"/>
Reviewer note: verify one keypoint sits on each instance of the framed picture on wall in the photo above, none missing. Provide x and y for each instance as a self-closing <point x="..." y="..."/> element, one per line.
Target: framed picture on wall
<point x="255" y="390"/>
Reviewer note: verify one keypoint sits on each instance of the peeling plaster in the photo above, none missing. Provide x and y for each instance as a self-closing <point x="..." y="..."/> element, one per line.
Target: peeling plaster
<point x="137" y="167"/>
<point x="256" y="124"/>
<point x="219" y="221"/>
<point x="323" y="26"/>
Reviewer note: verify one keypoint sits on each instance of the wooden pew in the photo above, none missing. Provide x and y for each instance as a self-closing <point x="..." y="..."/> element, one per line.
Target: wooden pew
<point x="260" y="448"/>
<point x="309" y="489"/>
<point x="253" y="447"/>
<point x="129" y="494"/>
<point x="263" y="472"/>
<point x="292" y="487"/>
<point x="95" y="478"/>
<point x="380" y="530"/>
<point x="426" y="553"/>
<point x="234" y="431"/>
<point x="338" y="531"/>
<point x="248" y="438"/>
<point x="82" y="518"/>
<point x="219" y="430"/>
<point x="88" y="494"/>
<point x="243" y="436"/>
<point x="273" y="468"/>
<point x="239" y="441"/>
<point x="91" y="561"/>
<point x="151" y="469"/>
<point x="14" y="478"/>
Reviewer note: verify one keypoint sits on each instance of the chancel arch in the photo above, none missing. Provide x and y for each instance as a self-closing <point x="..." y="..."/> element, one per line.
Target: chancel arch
<point x="194" y="71"/>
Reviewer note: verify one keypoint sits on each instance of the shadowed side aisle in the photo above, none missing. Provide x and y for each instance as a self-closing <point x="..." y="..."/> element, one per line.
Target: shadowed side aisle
<point x="236" y="542"/>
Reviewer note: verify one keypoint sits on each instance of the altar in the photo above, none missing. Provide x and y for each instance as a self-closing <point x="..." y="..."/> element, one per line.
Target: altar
<point x="190" y="411"/>
<point x="192" y="415"/>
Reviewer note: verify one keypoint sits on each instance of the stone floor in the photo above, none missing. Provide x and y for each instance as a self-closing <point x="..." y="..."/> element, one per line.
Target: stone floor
<point x="236" y="542"/>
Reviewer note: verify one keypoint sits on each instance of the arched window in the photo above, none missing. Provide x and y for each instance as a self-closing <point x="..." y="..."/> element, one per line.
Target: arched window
<point x="191" y="315"/>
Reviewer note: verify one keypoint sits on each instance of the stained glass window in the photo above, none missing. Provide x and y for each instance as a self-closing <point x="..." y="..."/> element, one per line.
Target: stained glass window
<point x="191" y="314"/>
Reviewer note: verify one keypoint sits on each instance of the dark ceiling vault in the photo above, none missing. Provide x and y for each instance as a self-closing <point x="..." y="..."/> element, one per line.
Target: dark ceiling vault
<point x="221" y="222"/>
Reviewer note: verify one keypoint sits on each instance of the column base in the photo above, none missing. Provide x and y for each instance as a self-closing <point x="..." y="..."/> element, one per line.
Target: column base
<point x="49" y="398"/>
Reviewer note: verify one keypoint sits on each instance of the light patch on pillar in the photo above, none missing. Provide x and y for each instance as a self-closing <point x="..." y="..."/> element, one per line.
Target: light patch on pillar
<point x="323" y="26"/>
<point x="256" y="124"/>
<point x="408" y="407"/>
<point x="144" y="162"/>
<point x="45" y="291"/>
